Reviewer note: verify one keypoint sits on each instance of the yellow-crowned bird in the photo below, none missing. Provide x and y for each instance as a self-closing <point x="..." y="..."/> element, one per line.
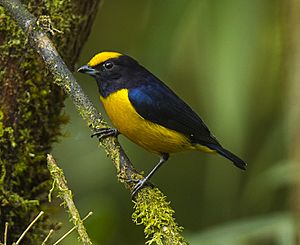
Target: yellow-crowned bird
<point x="148" y="112"/>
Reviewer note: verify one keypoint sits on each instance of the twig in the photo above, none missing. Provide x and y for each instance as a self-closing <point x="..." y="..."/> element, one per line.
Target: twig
<point x="66" y="195"/>
<point x="5" y="233"/>
<point x="64" y="78"/>
<point x="28" y="228"/>
<point x="73" y="228"/>
<point x="47" y="237"/>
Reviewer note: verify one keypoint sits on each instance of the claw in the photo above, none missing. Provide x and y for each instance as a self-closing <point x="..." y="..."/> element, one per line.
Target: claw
<point x="105" y="132"/>
<point x="140" y="184"/>
<point x="137" y="187"/>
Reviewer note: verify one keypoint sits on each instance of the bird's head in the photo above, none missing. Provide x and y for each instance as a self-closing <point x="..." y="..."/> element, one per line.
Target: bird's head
<point x="108" y="65"/>
<point x="112" y="71"/>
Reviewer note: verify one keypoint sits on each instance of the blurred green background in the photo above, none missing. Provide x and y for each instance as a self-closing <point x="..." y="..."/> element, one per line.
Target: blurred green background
<point x="226" y="59"/>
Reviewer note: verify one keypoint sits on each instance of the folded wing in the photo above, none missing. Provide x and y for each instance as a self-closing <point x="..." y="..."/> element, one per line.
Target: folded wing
<point x="157" y="103"/>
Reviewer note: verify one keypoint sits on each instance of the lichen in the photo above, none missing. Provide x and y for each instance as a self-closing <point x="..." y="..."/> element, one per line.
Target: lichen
<point x="152" y="210"/>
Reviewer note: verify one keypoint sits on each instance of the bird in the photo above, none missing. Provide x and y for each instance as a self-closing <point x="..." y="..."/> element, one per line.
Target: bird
<point x="146" y="111"/>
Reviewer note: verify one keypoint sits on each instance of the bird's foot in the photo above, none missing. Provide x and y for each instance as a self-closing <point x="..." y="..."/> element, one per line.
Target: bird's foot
<point x="140" y="184"/>
<point x="105" y="132"/>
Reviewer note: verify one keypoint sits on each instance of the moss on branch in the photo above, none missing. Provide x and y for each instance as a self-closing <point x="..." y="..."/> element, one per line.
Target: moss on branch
<point x="64" y="193"/>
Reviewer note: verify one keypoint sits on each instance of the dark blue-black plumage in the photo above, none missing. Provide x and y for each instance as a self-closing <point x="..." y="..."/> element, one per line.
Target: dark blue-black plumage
<point x="156" y="102"/>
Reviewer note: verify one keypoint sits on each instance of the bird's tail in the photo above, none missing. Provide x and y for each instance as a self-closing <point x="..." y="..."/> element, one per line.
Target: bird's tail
<point x="225" y="153"/>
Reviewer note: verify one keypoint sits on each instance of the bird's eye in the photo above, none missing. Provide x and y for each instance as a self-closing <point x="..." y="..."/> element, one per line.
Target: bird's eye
<point x="108" y="65"/>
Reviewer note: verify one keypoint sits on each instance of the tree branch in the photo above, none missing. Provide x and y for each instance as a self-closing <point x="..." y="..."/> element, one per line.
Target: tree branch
<point x="151" y="207"/>
<point x="66" y="195"/>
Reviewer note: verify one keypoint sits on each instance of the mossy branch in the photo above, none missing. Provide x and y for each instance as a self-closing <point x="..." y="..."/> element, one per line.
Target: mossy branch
<point x="65" y="194"/>
<point x="151" y="208"/>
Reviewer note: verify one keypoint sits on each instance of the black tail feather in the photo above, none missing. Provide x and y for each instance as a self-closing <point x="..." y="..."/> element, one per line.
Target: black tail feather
<point x="225" y="153"/>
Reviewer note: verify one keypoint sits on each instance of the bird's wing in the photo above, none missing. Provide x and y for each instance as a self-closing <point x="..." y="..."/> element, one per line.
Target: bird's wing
<point x="157" y="103"/>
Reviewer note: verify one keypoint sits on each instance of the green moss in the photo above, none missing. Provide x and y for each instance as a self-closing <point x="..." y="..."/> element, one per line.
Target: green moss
<point x="30" y="122"/>
<point x="154" y="212"/>
<point x="6" y="130"/>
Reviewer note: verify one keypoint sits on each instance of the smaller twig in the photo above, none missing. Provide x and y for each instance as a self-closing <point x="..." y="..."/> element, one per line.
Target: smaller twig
<point x="45" y="22"/>
<point x="66" y="195"/>
<point x="5" y="233"/>
<point x="47" y="237"/>
<point x="28" y="228"/>
<point x="70" y="231"/>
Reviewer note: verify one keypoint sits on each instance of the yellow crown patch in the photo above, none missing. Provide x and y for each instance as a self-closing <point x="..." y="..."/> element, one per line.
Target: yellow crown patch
<point x="103" y="56"/>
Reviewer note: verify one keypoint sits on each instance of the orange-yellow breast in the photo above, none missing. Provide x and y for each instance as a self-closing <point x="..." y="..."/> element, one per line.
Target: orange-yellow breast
<point x="151" y="136"/>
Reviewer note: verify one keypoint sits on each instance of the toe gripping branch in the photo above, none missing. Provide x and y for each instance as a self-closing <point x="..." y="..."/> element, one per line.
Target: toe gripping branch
<point x="103" y="133"/>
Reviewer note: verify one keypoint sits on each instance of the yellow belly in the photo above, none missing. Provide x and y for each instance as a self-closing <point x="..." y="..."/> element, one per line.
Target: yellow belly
<point x="151" y="136"/>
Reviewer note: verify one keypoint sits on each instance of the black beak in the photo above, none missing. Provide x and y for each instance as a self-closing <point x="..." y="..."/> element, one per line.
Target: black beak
<point x="87" y="70"/>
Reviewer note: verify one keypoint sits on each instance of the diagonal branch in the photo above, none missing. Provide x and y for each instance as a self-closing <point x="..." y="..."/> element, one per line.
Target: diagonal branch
<point x="151" y="208"/>
<point x="65" y="194"/>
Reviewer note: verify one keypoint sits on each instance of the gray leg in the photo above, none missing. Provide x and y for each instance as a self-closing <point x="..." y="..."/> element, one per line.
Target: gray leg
<point x="164" y="157"/>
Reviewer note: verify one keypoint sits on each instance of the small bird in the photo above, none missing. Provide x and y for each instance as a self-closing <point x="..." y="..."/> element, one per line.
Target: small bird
<point x="148" y="112"/>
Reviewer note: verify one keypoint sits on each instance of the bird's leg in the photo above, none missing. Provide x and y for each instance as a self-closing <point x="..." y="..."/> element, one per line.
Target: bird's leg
<point x="105" y="132"/>
<point x="141" y="183"/>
